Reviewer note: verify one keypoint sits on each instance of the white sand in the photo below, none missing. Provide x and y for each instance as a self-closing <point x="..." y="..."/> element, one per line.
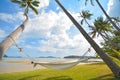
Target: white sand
<point x="9" y="66"/>
<point x="14" y="66"/>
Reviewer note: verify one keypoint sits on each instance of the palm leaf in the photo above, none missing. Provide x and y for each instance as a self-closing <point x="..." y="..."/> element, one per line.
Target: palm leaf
<point x="27" y="4"/>
<point x="22" y="5"/>
<point x="26" y="0"/>
<point x="16" y="1"/>
<point x="34" y="9"/>
<point x="86" y="2"/>
<point x="86" y="14"/>
<point x="92" y="2"/>
<point x="116" y="52"/>
<point x="89" y="16"/>
<point x="36" y="3"/>
<point x="82" y="22"/>
<point x="116" y="60"/>
<point x="93" y="34"/>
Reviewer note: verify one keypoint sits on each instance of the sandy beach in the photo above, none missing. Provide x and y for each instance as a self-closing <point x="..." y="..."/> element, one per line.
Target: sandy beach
<point x="18" y="65"/>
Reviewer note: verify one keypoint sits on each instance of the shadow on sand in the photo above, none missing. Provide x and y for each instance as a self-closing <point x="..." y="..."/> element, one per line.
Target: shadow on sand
<point x="105" y="77"/>
<point x="29" y="77"/>
<point x="50" y="78"/>
<point x="59" y="78"/>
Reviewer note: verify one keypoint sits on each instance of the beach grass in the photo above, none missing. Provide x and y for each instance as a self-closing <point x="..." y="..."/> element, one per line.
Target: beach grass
<point x="96" y="71"/>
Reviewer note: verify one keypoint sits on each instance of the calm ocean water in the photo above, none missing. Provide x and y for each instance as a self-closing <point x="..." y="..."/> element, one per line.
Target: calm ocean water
<point x="39" y="59"/>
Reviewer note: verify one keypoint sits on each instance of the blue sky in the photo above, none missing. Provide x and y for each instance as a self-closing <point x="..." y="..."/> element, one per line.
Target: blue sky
<point x="51" y="33"/>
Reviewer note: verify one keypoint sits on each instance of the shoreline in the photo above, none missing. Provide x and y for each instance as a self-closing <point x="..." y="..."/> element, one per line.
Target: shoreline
<point x="11" y="66"/>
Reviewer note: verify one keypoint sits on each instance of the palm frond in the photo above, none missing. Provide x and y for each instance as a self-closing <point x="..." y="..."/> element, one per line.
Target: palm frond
<point x="93" y="34"/>
<point x="86" y="2"/>
<point x="92" y="2"/>
<point x="34" y="9"/>
<point x="116" y="60"/>
<point x="116" y="52"/>
<point x="36" y="3"/>
<point x="86" y="14"/>
<point x="82" y="22"/>
<point x="25" y="0"/>
<point x="27" y="4"/>
<point x="16" y="1"/>
<point x="23" y="5"/>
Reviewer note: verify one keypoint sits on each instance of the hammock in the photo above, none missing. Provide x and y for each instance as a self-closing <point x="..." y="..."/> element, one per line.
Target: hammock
<point x="56" y="65"/>
<point x="53" y="65"/>
<point x="59" y="65"/>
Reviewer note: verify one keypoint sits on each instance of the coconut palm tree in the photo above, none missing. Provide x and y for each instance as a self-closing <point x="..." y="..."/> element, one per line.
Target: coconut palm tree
<point x="27" y="4"/>
<point x="86" y="15"/>
<point x="108" y="17"/>
<point x="111" y="64"/>
<point x="7" y="43"/>
<point x="102" y="27"/>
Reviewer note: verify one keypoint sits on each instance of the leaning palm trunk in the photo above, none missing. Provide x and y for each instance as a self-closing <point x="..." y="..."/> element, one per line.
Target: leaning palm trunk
<point x="107" y="16"/>
<point x="7" y="43"/>
<point x="111" y="64"/>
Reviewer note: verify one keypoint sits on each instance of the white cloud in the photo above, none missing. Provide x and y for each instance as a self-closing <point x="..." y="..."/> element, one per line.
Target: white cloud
<point x="11" y="17"/>
<point x="6" y="17"/>
<point x="19" y="16"/>
<point x="113" y="8"/>
<point x="53" y="28"/>
<point x="45" y="24"/>
<point x="57" y="8"/>
<point x="69" y="46"/>
<point x="2" y="33"/>
<point x="43" y="3"/>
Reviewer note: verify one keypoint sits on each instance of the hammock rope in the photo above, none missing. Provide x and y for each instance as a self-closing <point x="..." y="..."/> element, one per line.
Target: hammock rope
<point x="52" y="65"/>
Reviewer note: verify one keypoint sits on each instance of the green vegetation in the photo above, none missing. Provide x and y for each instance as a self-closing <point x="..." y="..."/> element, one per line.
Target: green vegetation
<point x="32" y="4"/>
<point x="109" y="62"/>
<point x="97" y="71"/>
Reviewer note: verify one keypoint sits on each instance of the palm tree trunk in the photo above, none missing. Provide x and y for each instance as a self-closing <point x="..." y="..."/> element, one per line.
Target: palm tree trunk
<point x="117" y="28"/>
<point x="111" y="64"/>
<point x="87" y="23"/>
<point x="7" y="43"/>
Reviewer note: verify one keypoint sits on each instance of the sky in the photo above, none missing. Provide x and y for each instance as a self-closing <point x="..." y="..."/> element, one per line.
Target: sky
<point x="51" y="33"/>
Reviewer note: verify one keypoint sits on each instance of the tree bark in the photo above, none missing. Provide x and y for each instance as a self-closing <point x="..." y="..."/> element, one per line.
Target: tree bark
<point x="117" y="28"/>
<point x="110" y="63"/>
<point x="7" y="43"/>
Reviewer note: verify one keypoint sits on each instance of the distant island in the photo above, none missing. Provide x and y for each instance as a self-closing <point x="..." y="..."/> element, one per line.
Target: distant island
<point x="6" y="56"/>
<point x="47" y="57"/>
<point x="75" y="56"/>
<point x="70" y="56"/>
